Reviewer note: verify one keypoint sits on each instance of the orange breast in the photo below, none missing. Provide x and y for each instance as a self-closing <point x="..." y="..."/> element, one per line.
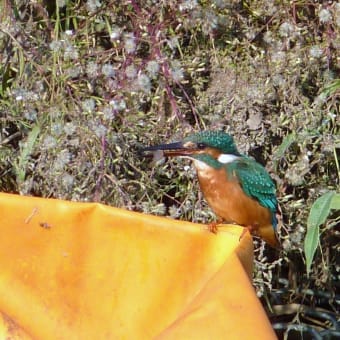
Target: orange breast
<point x="227" y="199"/>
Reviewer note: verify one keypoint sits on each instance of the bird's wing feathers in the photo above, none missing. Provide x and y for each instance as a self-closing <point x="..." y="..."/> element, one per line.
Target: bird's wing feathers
<point x="255" y="181"/>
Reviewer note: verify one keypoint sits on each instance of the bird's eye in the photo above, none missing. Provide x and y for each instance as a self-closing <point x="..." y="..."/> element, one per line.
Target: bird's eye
<point x="201" y="146"/>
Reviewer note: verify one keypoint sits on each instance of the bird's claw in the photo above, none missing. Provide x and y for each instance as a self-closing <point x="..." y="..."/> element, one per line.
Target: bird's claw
<point x="213" y="226"/>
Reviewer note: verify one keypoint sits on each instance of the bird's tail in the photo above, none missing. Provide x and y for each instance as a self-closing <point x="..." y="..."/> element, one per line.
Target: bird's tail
<point x="268" y="234"/>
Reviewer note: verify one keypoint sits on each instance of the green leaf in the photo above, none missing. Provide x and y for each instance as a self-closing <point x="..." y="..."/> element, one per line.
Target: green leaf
<point x="311" y="243"/>
<point x="25" y="151"/>
<point x="283" y="147"/>
<point x="317" y="216"/>
<point x="331" y="88"/>
<point x="335" y="204"/>
<point x="320" y="209"/>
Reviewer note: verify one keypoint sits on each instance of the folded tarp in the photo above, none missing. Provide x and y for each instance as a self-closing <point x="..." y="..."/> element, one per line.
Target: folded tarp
<point x="89" y="271"/>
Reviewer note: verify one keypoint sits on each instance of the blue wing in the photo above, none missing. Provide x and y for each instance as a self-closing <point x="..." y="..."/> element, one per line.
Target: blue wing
<point x="255" y="182"/>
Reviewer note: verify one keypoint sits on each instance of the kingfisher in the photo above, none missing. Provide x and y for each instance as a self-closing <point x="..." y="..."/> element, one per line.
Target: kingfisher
<point x="237" y="188"/>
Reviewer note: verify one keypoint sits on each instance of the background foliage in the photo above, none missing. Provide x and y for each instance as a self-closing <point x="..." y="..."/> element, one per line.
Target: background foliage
<point x="85" y="84"/>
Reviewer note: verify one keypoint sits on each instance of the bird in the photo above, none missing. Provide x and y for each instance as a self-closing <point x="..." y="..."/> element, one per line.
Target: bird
<point x="237" y="188"/>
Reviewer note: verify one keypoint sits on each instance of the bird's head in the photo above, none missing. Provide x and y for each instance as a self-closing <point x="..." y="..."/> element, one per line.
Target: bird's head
<point x="214" y="148"/>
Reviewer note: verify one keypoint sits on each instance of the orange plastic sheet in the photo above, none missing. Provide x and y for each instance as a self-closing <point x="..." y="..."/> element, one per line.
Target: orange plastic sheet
<point x="88" y="271"/>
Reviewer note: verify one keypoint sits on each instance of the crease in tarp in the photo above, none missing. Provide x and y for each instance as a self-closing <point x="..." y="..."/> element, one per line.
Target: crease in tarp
<point x="188" y="309"/>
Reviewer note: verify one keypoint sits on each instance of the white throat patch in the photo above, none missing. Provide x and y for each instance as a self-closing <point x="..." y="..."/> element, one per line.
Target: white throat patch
<point x="226" y="158"/>
<point x="201" y="166"/>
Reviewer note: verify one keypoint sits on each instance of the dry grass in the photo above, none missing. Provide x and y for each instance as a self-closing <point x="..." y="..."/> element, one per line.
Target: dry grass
<point x="85" y="84"/>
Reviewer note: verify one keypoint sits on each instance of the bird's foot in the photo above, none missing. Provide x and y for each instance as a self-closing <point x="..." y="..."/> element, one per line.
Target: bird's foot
<point x="213" y="226"/>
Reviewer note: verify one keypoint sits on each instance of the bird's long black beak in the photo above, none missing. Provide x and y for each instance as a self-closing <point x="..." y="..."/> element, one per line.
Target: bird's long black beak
<point x="165" y="147"/>
<point x="172" y="149"/>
